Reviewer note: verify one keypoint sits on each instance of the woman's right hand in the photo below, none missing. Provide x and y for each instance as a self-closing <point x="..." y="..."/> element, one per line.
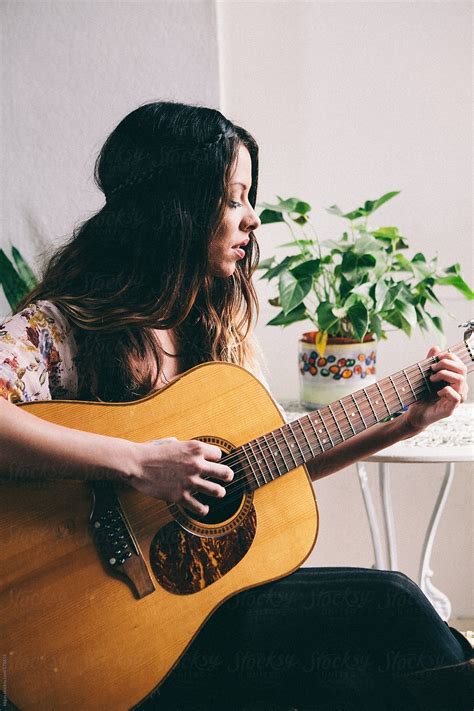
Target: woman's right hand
<point x="175" y="470"/>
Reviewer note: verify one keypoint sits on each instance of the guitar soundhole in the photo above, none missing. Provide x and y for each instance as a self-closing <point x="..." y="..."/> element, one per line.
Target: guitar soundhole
<point x="221" y="510"/>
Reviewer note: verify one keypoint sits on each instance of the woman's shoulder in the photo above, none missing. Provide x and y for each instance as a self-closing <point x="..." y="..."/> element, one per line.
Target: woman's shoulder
<point x="37" y="351"/>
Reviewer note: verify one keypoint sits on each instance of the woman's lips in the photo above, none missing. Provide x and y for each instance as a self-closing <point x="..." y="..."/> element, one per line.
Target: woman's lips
<point x="239" y="251"/>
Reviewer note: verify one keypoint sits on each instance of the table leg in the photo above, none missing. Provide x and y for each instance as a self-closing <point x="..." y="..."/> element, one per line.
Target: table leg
<point x="369" y="507"/>
<point x="389" y="522"/>
<point x="438" y="599"/>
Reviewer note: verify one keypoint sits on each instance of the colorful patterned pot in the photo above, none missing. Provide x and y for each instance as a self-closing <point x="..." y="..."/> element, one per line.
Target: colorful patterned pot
<point x="344" y="368"/>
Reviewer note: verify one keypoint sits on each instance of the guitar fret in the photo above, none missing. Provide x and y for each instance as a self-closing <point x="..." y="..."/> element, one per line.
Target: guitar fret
<point x="272" y="456"/>
<point x="384" y="401"/>
<point x="336" y="422"/>
<point x="285" y="465"/>
<point x="264" y="459"/>
<point x="409" y="383"/>
<point x="347" y="417"/>
<point x="398" y="394"/>
<point x="288" y="446"/>
<point x="251" y="467"/>
<point x="324" y="425"/>
<point x="424" y="378"/>
<point x="358" y="410"/>
<point x="307" y="440"/>
<point x="296" y="440"/>
<point x="316" y="433"/>
<point x="370" y="404"/>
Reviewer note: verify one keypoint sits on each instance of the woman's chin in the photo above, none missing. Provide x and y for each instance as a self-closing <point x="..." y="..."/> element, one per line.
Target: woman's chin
<point x="224" y="271"/>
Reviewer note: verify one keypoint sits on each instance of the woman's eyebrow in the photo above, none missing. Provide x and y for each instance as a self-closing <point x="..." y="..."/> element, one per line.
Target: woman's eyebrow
<point x="242" y="184"/>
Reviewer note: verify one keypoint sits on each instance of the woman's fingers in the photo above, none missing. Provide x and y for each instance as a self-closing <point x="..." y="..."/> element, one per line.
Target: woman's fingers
<point x="193" y="505"/>
<point x="450" y="394"/>
<point x="450" y="376"/>
<point x="451" y="370"/>
<point x="205" y="486"/>
<point x="450" y="362"/>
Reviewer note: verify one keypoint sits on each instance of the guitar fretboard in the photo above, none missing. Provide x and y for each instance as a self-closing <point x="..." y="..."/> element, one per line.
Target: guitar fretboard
<point x="270" y="456"/>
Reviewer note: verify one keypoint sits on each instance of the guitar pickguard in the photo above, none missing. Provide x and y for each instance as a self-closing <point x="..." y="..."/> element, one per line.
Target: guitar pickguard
<point x="185" y="563"/>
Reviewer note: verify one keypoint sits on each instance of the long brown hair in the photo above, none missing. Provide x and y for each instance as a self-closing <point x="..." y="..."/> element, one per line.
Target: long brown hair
<point x="140" y="262"/>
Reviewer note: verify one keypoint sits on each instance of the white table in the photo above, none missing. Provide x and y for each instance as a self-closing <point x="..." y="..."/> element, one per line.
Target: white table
<point x="448" y="441"/>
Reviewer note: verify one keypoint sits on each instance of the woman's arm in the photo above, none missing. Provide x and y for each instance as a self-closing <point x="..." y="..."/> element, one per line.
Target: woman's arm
<point x="32" y="448"/>
<point x="449" y="369"/>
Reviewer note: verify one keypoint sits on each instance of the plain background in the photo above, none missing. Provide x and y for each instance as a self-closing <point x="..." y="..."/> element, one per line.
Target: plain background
<point x="347" y="100"/>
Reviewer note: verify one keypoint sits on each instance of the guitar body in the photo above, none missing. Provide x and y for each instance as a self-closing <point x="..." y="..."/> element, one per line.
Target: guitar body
<point x="76" y="636"/>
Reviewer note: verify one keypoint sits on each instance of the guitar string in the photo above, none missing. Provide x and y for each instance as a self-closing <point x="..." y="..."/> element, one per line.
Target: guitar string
<point x="249" y="474"/>
<point x="247" y="468"/>
<point x="332" y="429"/>
<point x="363" y="407"/>
<point x="419" y="386"/>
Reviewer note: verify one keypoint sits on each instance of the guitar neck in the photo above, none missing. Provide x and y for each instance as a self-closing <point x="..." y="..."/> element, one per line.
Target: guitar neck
<point x="270" y="456"/>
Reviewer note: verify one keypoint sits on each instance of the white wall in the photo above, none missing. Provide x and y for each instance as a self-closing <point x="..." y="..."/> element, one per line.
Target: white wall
<point x="349" y="100"/>
<point x="71" y="72"/>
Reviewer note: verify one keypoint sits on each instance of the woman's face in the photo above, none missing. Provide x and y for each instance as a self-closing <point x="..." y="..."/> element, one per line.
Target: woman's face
<point x="228" y="244"/>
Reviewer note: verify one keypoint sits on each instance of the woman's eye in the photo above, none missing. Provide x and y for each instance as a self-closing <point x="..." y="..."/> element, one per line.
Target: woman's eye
<point x="235" y="203"/>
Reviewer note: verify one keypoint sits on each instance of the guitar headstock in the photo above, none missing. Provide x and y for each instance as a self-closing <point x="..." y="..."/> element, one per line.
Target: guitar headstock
<point x="468" y="336"/>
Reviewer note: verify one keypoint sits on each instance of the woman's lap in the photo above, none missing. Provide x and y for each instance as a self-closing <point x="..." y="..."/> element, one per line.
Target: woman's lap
<point x="323" y="638"/>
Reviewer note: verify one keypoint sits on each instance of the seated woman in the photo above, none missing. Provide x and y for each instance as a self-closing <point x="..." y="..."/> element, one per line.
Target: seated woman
<point x="159" y="280"/>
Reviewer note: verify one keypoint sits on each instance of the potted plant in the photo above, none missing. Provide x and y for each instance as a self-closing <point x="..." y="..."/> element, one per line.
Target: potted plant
<point x="352" y="289"/>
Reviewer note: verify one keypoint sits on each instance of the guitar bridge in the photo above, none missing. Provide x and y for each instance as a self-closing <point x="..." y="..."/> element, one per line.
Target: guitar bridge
<point x="115" y="542"/>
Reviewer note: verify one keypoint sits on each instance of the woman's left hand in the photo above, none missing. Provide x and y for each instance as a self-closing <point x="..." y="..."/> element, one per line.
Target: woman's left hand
<point x="452" y="371"/>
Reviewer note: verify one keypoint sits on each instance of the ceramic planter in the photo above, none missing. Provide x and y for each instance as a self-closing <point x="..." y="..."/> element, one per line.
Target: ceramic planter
<point x="345" y="367"/>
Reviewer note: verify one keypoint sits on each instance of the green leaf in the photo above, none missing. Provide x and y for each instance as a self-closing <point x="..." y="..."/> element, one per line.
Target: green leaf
<point x="366" y="244"/>
<point x="352" y="263"/>
<point x="292" y="290"/>
<point x="360" y="293"/>
<point x="281" y="266"/>
<point x="302" y="242"/>
<point x="24" y="269"/>
<point x="335" y="210"/>
<point x="302" y="207"/>
<point x="431" y="296"/>
<point x="268" y="217"/>
<point x="310" y="268"/>
<point x="392" y="294"/>
<point x="407" y="313"/>
<point x="381" y="291"/>
<point x="359" y="319"/>
<point x="301" y="220"/>
<point x="437" y="323"/>
<point x="13" y="285"/>
<point x="391" y="238"/>
<point x="405" y="264"/>
<point x="459" y="284"/>
<point x="385" y="198"/>
<point x="282" y="319"/>
<point x="369" y="207"/>
<point x="266" y="263"/>
<point x="326" y="317"/>
<point x="375" y="326"/>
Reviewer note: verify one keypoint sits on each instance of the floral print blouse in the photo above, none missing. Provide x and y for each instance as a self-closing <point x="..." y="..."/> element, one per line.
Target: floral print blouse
<point x="36" y="355"/>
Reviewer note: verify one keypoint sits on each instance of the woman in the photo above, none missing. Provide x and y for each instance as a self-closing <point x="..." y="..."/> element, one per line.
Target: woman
<point x="156" y="282"/>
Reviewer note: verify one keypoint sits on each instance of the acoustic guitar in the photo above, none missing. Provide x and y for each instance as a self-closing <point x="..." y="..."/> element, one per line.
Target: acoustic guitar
<point x="103" y="588"/>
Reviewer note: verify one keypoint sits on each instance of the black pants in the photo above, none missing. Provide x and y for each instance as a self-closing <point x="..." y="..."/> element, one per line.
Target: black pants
<point x="329" y="639"/>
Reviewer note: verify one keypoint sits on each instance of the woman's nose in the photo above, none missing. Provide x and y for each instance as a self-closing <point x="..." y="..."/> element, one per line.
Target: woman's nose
<point x="253" y="221"/>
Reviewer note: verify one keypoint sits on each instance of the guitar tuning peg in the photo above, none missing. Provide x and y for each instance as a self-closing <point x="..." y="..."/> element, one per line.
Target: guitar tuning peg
<point x="469" y="326"/>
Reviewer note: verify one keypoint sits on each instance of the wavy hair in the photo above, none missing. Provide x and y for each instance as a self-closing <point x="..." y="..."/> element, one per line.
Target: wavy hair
<point x="141" y="262"/>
